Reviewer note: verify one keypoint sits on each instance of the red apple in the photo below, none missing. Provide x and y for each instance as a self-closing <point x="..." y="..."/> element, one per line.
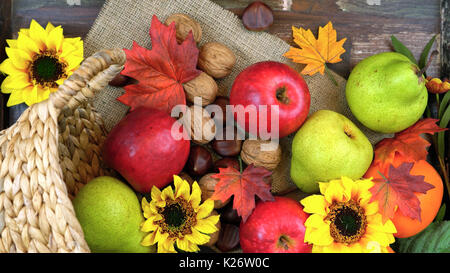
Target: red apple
<point x="275" y="227"/>
<point x="272" y="83"/>
<point x="142" y="149"/>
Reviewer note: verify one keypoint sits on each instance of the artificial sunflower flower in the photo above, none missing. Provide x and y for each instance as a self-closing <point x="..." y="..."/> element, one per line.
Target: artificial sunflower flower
<point x="178" y="218"/>
<point x="344" y="220"/>
<point x="39" y="60"/>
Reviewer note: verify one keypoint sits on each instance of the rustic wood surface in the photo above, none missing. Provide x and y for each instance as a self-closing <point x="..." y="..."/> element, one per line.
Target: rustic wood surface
<point x="367" y="24"/>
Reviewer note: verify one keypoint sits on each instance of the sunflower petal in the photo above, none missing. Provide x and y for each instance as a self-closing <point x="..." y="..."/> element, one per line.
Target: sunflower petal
<point x="148" y="226"/>
<point x="19" y="58"/>
<point x="315" y="221"/>
<point x="167" y="246"/>
<point x="185" y="245"/>
<point x="73" y="62"/>
<point x="38" y="34"/>
<point x="7" y="67"/>
<point x="181" y="188"/>
<point x="197" y="237"/>
<point x="55" y="39"/>
<point x="205" y="209"/>
<point x="15" y="83"/>
<point x="31" y="97"/>
<point x="196" y="196"/>
<point x="208" y="225"/>
<point x="314" y="204"/>
<point x="334" y="192"/>
<point x="167" y="193"/>
<point x="15" y="98"/>
<point x="27" y="44"/>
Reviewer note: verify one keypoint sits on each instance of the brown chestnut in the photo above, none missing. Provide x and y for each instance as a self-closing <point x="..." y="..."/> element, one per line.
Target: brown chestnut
<point x="228" y="238"/>
<point x="225" y="163"/>
<point x="200" y="161"/>
<point x="121" y="81"/>
<point x="229" y="215"/>
<point x="225" y="147"/>
<point x="257" y="16"/>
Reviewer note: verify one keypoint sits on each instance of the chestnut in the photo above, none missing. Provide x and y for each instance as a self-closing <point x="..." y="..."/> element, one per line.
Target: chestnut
<point x="257" y="16"/>
<point x="228" y="238"/>
<point x="229" y="215"/>
<point x="200" y="161"/>
<point x="225" y="147"/>
<point x="222" y="102"/>
<point x="225" y="163"/>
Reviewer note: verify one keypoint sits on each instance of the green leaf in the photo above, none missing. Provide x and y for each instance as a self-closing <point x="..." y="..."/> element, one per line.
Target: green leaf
<point x="402" y="49"/>
<point x="441" y="213"/>
<point x="444" y="104"/>
<point x="441" y="136"/>
<point x="426" y="52"/>
<point x="434" y="239"/>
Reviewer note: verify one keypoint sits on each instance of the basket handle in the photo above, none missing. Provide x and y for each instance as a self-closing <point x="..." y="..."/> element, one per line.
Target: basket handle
<point x="92" y="76"/>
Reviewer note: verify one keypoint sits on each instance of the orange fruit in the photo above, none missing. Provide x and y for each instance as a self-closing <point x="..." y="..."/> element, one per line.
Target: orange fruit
<point x="430" y="202"/>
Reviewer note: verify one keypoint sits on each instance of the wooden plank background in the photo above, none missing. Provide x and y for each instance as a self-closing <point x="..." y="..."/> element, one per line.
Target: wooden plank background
<point x="367" y="24"/>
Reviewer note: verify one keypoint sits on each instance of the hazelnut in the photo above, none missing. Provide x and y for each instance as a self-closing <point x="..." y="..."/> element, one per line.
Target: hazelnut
<point x="208" y="184"/>
<point x="253" y="154"/>
<point x="203" y="86"/>
<point x="199" y="124"/>
<point x="216" y="59"/>
<point x="215" y="236"/>
<point x="183" y="25"/>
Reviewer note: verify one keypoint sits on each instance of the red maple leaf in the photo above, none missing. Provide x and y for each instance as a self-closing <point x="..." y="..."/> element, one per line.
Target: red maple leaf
<point x="161" y="71"/>
<point x="408" y="143"/>
<point x="244" y="187"/>
<point x="396" y="191"/>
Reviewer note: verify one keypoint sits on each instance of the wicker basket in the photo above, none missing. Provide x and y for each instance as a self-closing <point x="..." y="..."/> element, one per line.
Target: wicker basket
<point x="47" y="156"/>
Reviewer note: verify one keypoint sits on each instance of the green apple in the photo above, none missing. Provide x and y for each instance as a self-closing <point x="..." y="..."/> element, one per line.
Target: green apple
<point x="110" y="215"/>
<point x="328" y="146"/>
<point x="386" y="94"/>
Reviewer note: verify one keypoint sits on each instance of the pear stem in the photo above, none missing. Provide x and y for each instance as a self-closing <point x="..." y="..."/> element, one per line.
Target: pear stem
<point x="421" y="72"/>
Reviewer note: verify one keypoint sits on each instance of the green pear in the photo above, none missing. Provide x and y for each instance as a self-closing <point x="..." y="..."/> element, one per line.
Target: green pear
<point x="385" y="92"/>
<point x="328" y="146"/>
<point x="110" y="216"/>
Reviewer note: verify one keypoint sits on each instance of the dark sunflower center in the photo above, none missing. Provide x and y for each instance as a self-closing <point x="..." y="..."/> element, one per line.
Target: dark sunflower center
<point x="46" y="69"/>
<point x="174" y="215"/>
<point x="178" y="217"/>
<point x="347" y="222"/>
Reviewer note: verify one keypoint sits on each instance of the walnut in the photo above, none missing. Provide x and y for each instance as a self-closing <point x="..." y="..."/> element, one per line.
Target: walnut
<point x="215" y="236"/>
<point x="268" y="158"/>
<point x="207" y="185"/>
<point x="184" y="24"/>
<point x="203" y="86"/>
<point x="200" y="125"/>
<point x="216" y="59"/>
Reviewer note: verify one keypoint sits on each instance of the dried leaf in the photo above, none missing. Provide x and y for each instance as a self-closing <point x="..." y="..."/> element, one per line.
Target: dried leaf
<point x="396" y="191"/>
<point x="244" y="187"/>
<point x="161" y="71"/>
<point x="408" y="143"/>
<point x="315" y="53"/>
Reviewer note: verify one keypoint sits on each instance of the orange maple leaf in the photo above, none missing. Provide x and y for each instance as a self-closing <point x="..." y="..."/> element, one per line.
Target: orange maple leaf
<point x="396" y="190"/>
<point x="315" y="53"/>
<point x="408" y="143"/>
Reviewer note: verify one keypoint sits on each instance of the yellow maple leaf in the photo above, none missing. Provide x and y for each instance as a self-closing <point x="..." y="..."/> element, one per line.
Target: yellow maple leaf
<point x="316" y="52"/>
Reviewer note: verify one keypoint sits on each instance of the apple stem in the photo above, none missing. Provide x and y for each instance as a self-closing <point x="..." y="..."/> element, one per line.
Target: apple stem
<point x="422" y="71"/>
<point x="284" y="242"/>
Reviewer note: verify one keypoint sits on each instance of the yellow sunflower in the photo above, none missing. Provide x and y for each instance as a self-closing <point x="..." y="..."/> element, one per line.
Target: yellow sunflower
<point x="39" y="60"/>
<point x="177" y="217"/>
<point x="344" y="220"/>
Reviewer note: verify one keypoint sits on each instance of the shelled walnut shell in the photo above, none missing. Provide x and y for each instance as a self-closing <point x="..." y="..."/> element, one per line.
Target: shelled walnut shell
<point x="215" y="236"/>
<point x="203" y="86"/>
<point x="184" y="24"/>
<point x="216" y="59"/>
<point x="252" y="153"/>
<point x="208" y="184"/>
<point x="199" y="123"/>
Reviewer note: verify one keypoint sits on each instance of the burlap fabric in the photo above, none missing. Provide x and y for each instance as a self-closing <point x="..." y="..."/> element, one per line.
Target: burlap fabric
<point x="121" y="22"/>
